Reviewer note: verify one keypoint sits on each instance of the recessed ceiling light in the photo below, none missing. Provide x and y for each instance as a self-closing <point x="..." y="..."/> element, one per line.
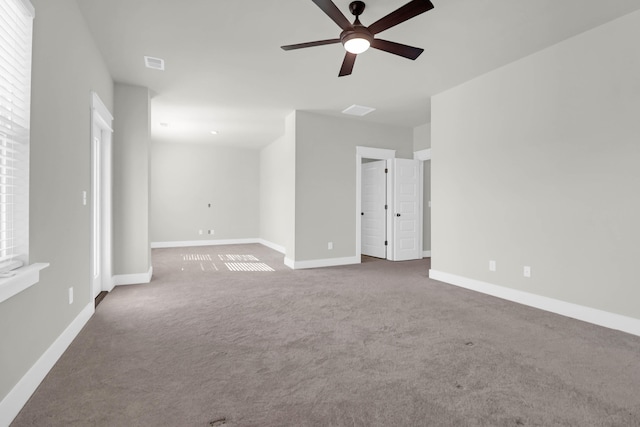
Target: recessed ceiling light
<point x="358" y="110"/>
<point x="214" y="132"/>
<point x="154" y="63"/>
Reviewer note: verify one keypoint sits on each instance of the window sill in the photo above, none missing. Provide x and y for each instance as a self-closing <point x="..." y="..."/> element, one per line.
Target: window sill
<point x="24" y="278"/>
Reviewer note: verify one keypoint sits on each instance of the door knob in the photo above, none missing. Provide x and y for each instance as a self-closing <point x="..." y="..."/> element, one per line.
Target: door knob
<point x="361" y="213"/>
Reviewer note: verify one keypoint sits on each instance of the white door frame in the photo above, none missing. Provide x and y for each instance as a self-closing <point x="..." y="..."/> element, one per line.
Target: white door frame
<point x="365" y="153"/>
<point x="101" y="121"/>
<point x="374" y="216"/>
<point x="424" y="156"/>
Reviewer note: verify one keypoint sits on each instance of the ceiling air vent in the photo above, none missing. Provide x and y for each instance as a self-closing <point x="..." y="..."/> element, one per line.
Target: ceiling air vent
<point x="358" y="110"/>
<point x="154" y="63"/>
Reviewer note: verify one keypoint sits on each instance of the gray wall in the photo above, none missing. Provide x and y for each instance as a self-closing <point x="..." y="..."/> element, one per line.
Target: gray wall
<point x="422" y="141"/>
<point x="131" y="157"/>
<point x="536" y="164"/>
<point x="422" y="137"/>
<point x="187" y="177"/>
<point x="66" y="68"/>
<point x="277" y="189"/>
<point x="326" y="179"/>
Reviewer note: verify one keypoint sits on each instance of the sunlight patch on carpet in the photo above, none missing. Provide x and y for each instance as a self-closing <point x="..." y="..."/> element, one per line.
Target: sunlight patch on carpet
<point x="248" y="266"/>
<point x="233" y="262"/>
<point x="202" y="262"/>
<point x="236" y="258"/>
<point x="196" y="257"/>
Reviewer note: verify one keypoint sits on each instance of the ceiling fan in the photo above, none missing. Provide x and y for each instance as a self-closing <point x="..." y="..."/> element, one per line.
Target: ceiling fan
<point x="357" y="38"/>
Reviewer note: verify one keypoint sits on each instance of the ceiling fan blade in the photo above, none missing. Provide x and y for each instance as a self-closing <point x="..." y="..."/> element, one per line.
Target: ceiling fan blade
<point x="347" y="64"/>
<point x="397" y="48"/>
<point x="334" y="13"/>
<point x="406" y="12"/>
<point x="310" y="44"/>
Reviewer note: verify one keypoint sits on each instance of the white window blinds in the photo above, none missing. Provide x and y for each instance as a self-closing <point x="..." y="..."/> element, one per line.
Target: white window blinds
<point x="16" y="26"/>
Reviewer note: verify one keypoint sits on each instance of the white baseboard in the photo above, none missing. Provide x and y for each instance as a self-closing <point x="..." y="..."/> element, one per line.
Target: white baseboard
<point x="317" y="263"/>
<point x="195" y="243"/>
<point x="426" y="254"/>
<point x="133" y="279"/>
<point x="272" y="245"/>
<point x="22" y="391"/>
<point x="189" y="243"/>
<point x="587" y="314"/>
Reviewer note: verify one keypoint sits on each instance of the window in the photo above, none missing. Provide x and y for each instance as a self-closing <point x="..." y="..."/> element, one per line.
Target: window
<point x="16" y="26"/>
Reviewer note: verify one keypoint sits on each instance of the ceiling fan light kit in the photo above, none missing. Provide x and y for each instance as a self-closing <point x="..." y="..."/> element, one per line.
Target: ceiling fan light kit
<point x="356" y="43"/>
<point x="357" y="38"/>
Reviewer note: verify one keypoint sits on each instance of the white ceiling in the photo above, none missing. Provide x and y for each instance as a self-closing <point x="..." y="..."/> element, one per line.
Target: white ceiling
<point x="225" y="69"/>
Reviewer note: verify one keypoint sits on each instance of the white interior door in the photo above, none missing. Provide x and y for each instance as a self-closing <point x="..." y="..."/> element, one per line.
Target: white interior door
<point x="406" y="215"/>
<point x="374" y="195"/>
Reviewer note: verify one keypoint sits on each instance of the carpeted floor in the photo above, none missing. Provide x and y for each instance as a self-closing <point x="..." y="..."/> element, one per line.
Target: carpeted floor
<point x="377" y="344"/>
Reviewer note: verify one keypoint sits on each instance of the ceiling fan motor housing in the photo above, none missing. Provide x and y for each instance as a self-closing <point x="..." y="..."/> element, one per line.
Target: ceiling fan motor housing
<point x="359" y="31"/>
<point x="357" y="7"/>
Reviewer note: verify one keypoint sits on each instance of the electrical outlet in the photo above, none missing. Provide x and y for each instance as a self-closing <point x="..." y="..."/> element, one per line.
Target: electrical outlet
<point x="330" y="246"/>
<point x="71" y="295"/>
<point x="492" y="265"/>
<point x="200" y="232"/>
<point x="84" y="198"/>
<point x="210" y="232"/>
<point x="526" y="271"/>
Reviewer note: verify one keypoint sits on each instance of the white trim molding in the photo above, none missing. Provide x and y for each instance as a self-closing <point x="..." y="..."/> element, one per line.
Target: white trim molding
<point x="22" y="391"/>
<point x="423" y="155"/>
<point x="23" y="278"/>
<point x="318" y="263"/>
<point x="273" y="246"/>
<point x="133" y="279"/>
<point x="101" y="170"/>
<point x="98" y="106"/>
<point x="587" y="314"/>
<point x="426" y="254"/>
<point x="190" y="243"/>
<point x="375" y="153"/>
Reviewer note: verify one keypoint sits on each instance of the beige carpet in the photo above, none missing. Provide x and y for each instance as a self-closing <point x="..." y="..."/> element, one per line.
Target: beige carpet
<point x="378" y="344"/>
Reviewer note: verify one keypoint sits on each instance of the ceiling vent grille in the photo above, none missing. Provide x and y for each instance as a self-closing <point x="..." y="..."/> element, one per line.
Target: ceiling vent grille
<point x="154" y="63"/>
<point x="358" y="110"/>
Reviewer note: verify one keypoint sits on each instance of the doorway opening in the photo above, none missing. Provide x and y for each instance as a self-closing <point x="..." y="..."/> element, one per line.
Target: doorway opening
<point x="389" y="211"/>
